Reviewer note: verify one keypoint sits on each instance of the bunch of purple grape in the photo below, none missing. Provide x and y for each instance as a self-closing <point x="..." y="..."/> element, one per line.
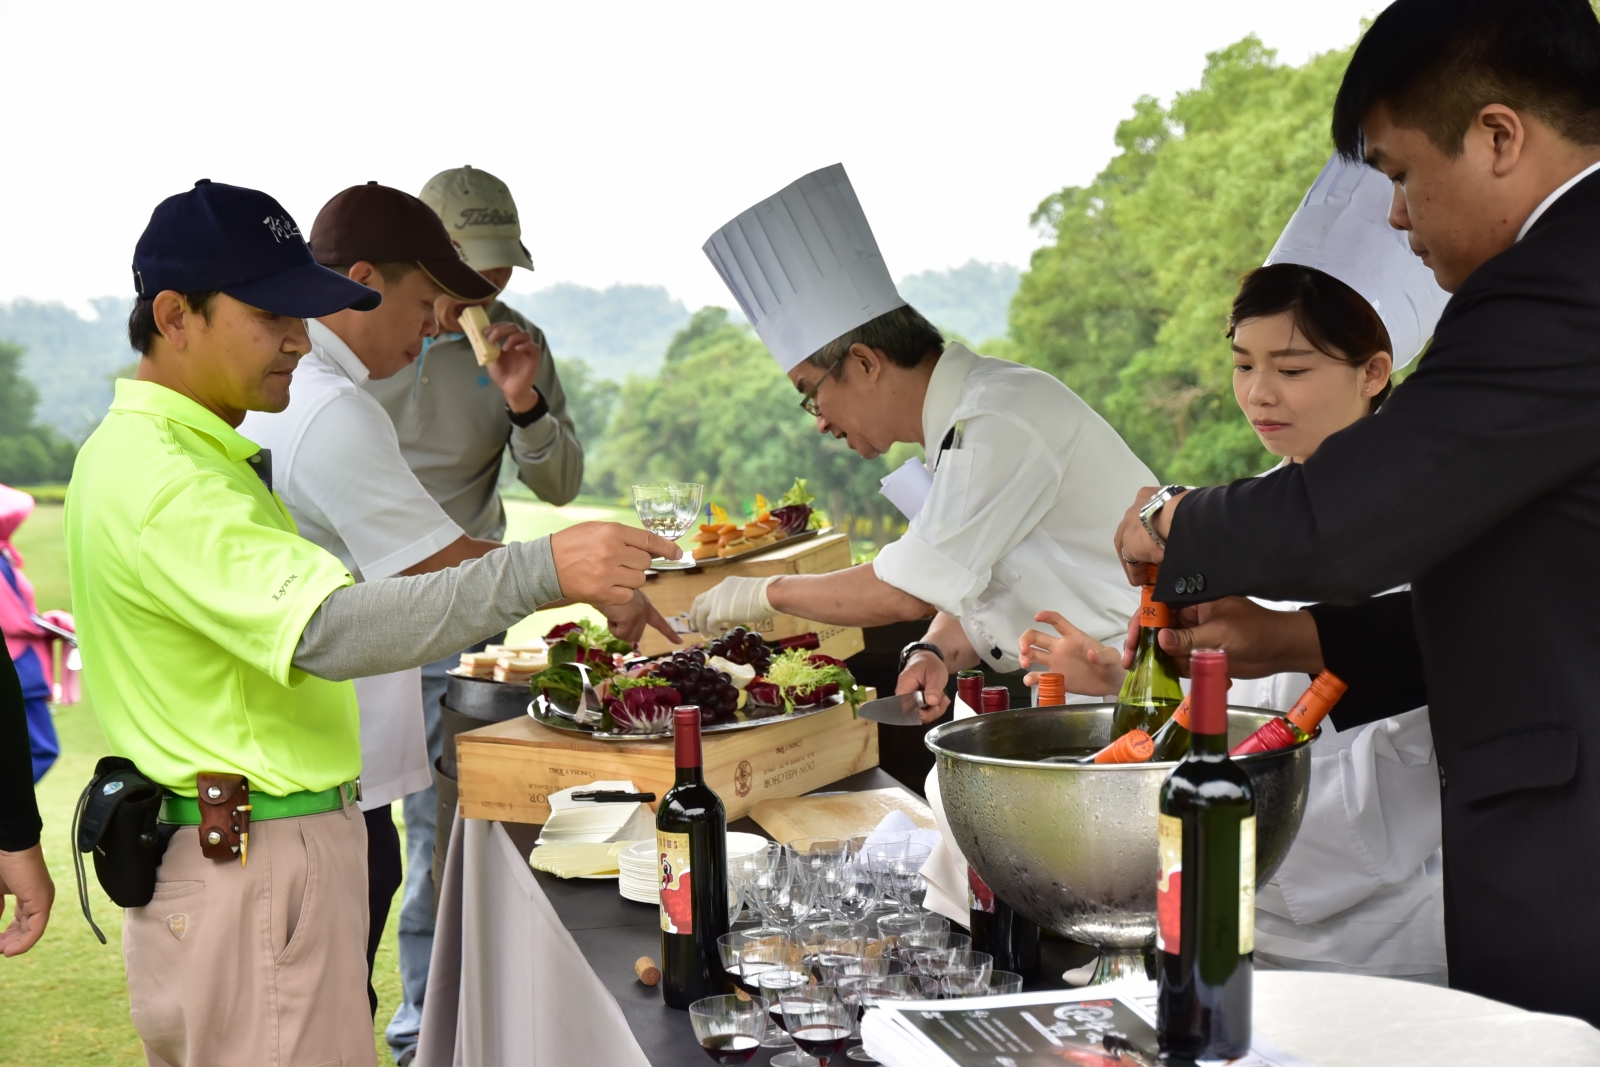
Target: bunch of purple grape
<point x="739" y="645"/>
<point x="709" y="689"/>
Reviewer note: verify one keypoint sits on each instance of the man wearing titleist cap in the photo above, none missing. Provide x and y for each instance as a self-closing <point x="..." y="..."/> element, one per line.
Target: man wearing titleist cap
<point x="455" y="421"/>
<point x="218" y="644"/>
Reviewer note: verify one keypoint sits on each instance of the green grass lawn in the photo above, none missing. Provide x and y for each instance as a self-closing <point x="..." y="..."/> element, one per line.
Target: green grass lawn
<point x="66" y="1002"/>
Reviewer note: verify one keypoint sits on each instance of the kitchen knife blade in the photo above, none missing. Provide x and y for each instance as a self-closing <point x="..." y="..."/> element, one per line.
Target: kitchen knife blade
<point x="899" y="710"/>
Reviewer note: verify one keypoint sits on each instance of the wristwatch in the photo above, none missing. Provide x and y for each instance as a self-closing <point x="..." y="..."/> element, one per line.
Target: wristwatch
<point x="1155" y="504"/>
<point x="918" y="646"/>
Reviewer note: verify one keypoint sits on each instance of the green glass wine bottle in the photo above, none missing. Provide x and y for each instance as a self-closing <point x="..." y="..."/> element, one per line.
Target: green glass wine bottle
<point x="1172" y="740"/>
<point x="1150" y="692"/>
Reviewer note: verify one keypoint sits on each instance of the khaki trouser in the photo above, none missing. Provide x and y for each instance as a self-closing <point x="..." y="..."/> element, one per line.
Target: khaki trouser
<point x="262" y="965"/>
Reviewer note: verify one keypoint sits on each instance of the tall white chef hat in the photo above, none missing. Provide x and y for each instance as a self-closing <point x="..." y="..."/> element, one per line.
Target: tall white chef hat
<point x="804" y="265"/>
<point x="1342" y="228"/>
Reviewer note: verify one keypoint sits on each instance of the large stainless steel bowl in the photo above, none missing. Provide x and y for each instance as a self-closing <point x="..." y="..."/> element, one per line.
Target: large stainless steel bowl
<point x="1073" y="846"/>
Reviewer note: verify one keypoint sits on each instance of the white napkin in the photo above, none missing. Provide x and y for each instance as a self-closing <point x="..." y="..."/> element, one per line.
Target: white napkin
<point x="583" y="820"/>
<point x="907" y="487"/>
<point x="946" y="869"/>
<point x="898" y="822"/>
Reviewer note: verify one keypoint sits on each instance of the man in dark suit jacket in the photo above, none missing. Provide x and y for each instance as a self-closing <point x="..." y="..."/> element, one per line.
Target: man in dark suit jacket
<point x="1478" y="482"/>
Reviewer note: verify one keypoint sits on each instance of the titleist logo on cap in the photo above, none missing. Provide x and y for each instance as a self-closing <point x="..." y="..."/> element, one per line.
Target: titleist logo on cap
<point x="486" y="216"/>
<point x="282" y="227"/>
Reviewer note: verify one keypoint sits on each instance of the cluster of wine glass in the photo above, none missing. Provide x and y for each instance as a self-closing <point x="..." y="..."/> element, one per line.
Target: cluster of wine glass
<point x="840" y="930"/>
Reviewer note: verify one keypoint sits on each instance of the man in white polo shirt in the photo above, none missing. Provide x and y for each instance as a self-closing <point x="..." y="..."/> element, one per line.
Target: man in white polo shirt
<point x="338" y="467"/>
<point x="457" y="422"/>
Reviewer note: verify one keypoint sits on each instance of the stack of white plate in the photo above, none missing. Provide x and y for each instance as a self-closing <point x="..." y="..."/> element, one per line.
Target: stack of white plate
<point x="640" y="877"/>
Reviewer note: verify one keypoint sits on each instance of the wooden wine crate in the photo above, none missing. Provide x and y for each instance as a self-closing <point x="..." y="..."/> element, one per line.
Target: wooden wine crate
<point x="506" y="770"/>
<point x="673" y="592"/>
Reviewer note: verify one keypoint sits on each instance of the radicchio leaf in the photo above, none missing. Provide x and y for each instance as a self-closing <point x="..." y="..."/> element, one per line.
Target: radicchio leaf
<point x="643" y="709"/>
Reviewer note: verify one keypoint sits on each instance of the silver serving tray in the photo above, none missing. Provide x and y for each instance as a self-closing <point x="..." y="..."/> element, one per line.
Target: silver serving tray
<point x="547" y="712"/>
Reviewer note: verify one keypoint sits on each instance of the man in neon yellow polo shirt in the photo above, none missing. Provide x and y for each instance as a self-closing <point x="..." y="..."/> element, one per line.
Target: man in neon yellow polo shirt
<point x="217" y="645"/>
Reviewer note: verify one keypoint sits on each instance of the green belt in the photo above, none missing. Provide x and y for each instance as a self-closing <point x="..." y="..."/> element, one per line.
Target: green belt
<point x="185" y="811"/>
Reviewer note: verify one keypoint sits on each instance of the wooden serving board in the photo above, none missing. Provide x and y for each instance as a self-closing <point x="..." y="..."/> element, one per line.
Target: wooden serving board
<point x="508" y="769"/>
<point x="838" y="815"/>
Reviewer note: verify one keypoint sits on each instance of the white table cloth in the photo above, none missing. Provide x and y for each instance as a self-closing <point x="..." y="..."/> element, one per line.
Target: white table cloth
<point x="528" y="997"/>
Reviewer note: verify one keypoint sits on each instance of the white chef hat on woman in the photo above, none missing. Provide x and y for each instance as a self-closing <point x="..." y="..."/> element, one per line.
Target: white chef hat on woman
<point x="804" y="266"/>
<point x="1342" y="228"/>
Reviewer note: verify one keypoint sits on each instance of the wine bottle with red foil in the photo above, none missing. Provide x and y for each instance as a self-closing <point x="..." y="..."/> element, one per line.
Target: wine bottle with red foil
<point x="692" y="855"/>
<point x="1012" y="939"/>
<point x="1206" y="887"/>
<point x="1151" y="691"/>
<point x="1171" y="742"/>
<point x="969" y="687"/>
<point x="1301" y="721"/>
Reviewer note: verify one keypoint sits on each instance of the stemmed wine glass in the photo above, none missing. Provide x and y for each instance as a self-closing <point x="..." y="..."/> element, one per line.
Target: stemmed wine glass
<point x="818" y="1018"/>
<point x="898" y="871"/>
<point x="729" y="1028"/>
<point x="772" y="951"/>
<point x="669" y="509"/>
<point x="789" y="975"/>
<point x="868" y="991"/>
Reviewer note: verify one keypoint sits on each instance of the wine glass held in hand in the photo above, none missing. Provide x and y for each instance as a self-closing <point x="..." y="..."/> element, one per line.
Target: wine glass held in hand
<point x="729" y="1028"/>
<point x="669" y="509"/>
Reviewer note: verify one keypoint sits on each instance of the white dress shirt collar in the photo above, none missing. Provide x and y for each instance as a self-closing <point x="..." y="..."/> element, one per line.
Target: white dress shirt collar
<point x="944" y="392"/>
<point x="339" y="354"/>
<point x="1553" y="197"/>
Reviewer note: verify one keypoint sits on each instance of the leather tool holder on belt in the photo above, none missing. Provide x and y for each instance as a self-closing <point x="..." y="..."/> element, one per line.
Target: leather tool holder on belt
<point x="224" y="814"/>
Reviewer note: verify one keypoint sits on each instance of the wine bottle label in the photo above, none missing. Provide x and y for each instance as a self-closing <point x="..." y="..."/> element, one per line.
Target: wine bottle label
<point x="677" y="902"/>
<point x="979" y="896"/>
<point x="1152" y="612"/>
<point x="1247" y="885"/>
<point x="1169" y="886"/>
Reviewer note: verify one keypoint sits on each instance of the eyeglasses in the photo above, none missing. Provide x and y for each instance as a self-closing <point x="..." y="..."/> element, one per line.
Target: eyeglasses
<point x="808" y="403"/>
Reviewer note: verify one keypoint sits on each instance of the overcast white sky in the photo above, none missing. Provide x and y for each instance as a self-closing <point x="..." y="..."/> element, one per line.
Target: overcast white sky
<point x="627" y="132"/>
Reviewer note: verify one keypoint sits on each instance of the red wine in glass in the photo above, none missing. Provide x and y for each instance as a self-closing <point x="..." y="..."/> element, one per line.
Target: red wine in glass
<point x="730" y="1050"/>
<point x="822" y="1041"/>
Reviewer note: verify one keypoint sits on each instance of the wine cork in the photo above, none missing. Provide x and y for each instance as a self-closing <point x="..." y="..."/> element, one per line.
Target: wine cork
<point x="646" y="969"/>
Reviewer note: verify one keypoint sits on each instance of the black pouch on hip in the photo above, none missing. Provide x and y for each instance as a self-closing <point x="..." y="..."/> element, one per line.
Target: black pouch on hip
<point x="116" y="820"/>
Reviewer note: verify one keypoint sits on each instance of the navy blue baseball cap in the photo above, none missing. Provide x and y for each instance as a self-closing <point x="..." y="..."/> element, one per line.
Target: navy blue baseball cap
<point x="243" y="243"/>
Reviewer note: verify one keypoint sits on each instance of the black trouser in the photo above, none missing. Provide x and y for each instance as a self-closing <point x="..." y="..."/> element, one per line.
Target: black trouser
<point x="383" y="881"/>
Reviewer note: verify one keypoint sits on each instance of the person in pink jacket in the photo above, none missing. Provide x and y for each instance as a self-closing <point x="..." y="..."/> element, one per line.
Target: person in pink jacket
<point x="32" y="645"/>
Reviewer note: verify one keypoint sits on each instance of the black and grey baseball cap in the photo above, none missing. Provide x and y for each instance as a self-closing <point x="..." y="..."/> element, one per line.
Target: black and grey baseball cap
<point x="242" y="242"/>
<point x="477" y="209"/>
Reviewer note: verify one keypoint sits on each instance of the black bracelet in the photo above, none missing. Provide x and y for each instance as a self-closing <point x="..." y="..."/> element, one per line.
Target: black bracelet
<point x="527" y="418"/>
<point x="915" y="647"/>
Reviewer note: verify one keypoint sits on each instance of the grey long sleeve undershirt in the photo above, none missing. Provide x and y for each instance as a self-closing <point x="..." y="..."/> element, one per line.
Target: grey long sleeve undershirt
<point x="395" y="623"/>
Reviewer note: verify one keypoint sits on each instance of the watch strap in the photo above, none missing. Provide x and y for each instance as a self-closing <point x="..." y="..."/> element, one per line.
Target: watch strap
<point x="522" y="420"/>
<point x="918" y="646"/>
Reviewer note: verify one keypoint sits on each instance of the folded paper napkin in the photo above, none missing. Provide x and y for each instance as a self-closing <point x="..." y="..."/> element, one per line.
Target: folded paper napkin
<point x="577" y="859"/>
<point x="946" y="869"/>
<point x="898" y="822"/>
<point x="584" y="820"/>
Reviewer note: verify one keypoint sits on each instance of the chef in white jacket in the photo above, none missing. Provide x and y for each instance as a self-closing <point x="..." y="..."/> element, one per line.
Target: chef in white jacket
<point x="1023" y="483"/>
<point x="1360" y="891"/>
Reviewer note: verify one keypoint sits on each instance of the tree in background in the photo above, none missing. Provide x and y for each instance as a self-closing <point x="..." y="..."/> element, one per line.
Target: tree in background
<point x="618" y="331"/>
<point x="1129" y="303"/>
<point x="29" y="453"/>
<point x="969" y="300"/>
<point x="720" y="412"/>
